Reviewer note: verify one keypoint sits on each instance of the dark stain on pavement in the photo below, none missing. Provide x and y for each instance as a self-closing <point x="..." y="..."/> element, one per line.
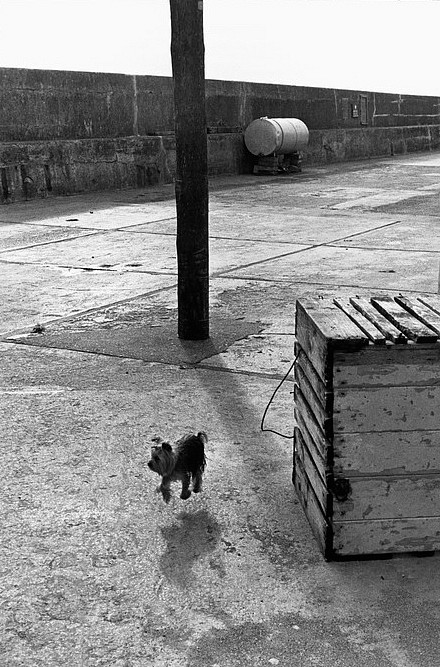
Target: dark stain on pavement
<point x="159" y="344"/>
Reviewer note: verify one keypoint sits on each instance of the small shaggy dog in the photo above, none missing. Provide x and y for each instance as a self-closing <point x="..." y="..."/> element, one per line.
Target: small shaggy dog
<point x="186" y="463"/>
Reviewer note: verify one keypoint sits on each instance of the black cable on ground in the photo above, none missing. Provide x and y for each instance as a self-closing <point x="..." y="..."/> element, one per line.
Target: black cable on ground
<point x="280" y="384"/>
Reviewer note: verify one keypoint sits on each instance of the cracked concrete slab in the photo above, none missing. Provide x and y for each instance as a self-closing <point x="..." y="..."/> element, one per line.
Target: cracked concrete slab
<point x="113" y="250"/>
<point x="424" y="235"/>
<point x="273" y="353"/>
<point x="120" y="251"/>
<point x="288" y="226"/>
<point x="40" y="294"/>
<point x="150" y="343"/>
<point x="271" y="303"/>
<point x="358" y="267"/>
<point x="16" y="235"/>
<point x="427" y="203"/>
<point x="111" y="217"/>
<point x="377" y="199"/>
<point x="50" y="208"/>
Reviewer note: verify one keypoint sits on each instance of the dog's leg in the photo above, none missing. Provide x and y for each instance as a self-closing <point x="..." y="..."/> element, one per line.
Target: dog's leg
<point x="186" y="478"/>
<point x="197" y="481"/>
<point x="164" y="489"/>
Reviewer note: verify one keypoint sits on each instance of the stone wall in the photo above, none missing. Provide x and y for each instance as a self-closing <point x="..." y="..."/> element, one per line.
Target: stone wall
<point x="64" y="132"/>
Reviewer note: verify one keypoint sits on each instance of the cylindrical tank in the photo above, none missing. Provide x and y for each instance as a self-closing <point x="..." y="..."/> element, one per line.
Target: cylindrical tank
<point x="265" y="136"/>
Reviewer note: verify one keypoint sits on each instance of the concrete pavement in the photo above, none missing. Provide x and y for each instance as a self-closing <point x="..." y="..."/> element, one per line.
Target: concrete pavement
<point x="95" y="568"/>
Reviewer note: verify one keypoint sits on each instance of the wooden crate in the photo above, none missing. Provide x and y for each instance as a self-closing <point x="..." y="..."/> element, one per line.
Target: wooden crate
<point x="367" y="436"/>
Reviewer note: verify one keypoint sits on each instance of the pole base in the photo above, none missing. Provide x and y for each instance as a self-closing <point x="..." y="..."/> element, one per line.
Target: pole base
<point x="193" y="330"/>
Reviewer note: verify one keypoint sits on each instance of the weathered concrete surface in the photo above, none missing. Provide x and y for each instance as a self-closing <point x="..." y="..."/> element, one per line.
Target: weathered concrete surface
<point x="17" y="236"/>
<point x="48" y="104"/>
<point x="131" y="342"/>
<point x="400" y="234"/>
<point x="36" y="169"/>
<point x="348" y="144"/>
<point x="358" y="267"/>
<point x="95" y="569"/>
<point x="290" y="225"/>
<point x="153" y="253"/>
<point x="43" y="293"/>
<point x="70" y="132"/>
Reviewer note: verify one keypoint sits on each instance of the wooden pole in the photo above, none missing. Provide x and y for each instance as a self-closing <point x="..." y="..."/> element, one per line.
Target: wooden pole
<point x="188" y="61"/>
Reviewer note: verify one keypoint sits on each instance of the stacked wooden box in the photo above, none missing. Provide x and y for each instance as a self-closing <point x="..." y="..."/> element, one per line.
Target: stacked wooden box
<point x="367" y="409"/>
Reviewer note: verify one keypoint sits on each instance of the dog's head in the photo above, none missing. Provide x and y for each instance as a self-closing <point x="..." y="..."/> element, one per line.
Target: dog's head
<point x="162" y="459"/>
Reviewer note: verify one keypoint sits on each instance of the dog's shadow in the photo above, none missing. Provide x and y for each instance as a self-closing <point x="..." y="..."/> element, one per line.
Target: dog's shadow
<point x="194" y="535"/>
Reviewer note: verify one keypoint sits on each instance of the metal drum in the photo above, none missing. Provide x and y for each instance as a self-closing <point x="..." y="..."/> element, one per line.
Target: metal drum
<point x="266" y="136"/>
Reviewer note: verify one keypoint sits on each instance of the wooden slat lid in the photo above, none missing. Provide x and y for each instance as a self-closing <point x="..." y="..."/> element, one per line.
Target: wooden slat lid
<point x="411" y="326"/>
<point x="381" y="322"/>
<point x="333" y="323"/>
<point x="433" y="303"/>
<point x="423" y="312"/>
<point x="358" y="321"/>
<point x="369" y="329"/>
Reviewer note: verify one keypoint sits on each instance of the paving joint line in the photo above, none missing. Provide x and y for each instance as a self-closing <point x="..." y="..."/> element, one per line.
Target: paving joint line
<point x="367" y="231"/>
<point x="142" y="224"/>
<point x="234" y="238"/>
<point x="360" y="247"/>
<point x="219" y="274"/>
<point x="87" y="311"/>
<point x="104" y="232"/>
<point x="86" y="268"/>
<point x="182" y="365"/>
<point x="289" y="281"/>
<point x="309" y="247"/>
<point x="41" y="223"/>
<point x="236" y="371"/>
<point x="51" y="242"/>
